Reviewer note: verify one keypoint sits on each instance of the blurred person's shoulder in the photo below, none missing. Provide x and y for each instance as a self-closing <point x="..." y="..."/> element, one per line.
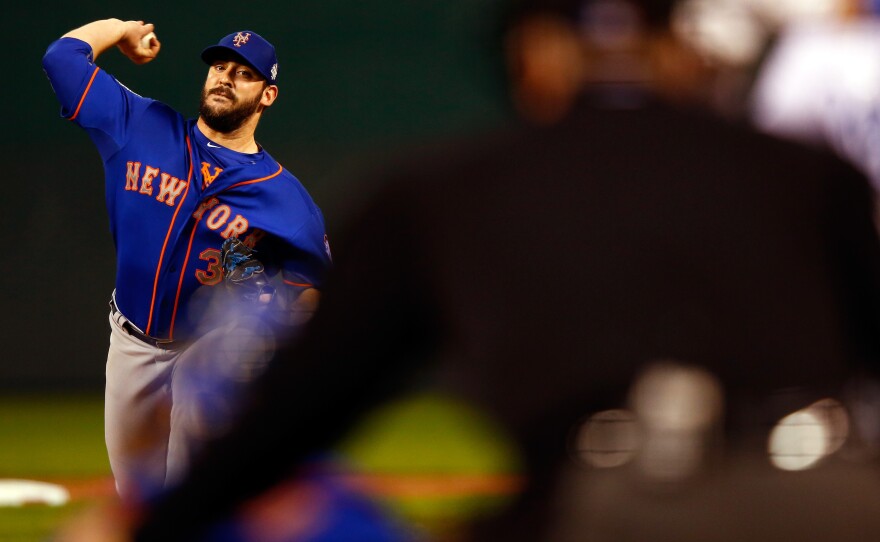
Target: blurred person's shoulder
<point x="593" y="137"/>
<point x="453" y="162"/>
<point x="702" y="131"/>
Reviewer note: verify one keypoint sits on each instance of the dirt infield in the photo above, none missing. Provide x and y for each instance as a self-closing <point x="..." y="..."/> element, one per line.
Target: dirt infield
<point x="88" y="488"/>
<point x="382" y="485"/>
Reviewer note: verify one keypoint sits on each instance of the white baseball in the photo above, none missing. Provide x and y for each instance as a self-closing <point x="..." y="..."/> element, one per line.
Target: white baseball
<point x="145" y="41"/>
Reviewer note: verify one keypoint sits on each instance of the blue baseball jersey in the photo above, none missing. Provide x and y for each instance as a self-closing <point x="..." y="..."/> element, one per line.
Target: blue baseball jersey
<point x="173" y="196"/>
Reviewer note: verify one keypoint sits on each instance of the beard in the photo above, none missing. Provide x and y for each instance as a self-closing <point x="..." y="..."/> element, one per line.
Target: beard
<point x="226" y="120"/>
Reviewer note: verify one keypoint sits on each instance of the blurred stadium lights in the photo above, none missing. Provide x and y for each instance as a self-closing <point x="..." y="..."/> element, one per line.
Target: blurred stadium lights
<point x="679" y="406"/>
<point x="723" y="31"/>
<point x="675" y="414"/>
<point x="735" y="32"/>
<point x="803" y="438"/>
<point x="675" y="408"/>
<point x="609" y="438"/>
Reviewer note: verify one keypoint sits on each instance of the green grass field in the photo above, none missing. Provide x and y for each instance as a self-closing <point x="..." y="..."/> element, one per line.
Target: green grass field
<point x="431" y="459"/>
<point x="54" y="438"/>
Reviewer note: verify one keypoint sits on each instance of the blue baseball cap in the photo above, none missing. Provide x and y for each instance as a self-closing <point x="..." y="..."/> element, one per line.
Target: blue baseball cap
<point x="252" y="48"/>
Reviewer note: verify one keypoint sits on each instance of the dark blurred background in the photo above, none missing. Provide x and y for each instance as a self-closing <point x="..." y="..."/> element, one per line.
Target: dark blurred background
<point x="362" y="84"/>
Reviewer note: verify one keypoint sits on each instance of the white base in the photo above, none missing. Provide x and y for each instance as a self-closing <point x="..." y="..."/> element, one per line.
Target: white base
<point x="21" y="492"/>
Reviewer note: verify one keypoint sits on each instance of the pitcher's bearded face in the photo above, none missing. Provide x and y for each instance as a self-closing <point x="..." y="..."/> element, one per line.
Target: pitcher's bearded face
<point x="223" y="110"/>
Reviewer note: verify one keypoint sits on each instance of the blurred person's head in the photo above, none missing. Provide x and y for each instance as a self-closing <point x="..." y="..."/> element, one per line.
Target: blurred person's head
<point x="545" y="58"/>
<point x="557" y="48"/>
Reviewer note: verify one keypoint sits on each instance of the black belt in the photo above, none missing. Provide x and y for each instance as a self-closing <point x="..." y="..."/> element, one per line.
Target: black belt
<point x="166" y="344"/>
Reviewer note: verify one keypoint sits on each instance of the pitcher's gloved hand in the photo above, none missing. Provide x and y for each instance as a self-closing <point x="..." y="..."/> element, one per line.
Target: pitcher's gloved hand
<point x="243" y="273"/>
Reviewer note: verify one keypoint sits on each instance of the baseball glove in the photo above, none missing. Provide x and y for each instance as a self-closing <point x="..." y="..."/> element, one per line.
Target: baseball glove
<point x="243" y="273"/>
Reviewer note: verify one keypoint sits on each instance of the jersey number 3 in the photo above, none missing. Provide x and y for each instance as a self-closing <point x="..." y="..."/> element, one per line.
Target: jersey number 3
<point x="214" y="273"/>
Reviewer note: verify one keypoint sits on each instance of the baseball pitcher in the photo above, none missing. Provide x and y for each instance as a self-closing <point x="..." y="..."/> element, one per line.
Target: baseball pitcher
<point x="193" y="204"/>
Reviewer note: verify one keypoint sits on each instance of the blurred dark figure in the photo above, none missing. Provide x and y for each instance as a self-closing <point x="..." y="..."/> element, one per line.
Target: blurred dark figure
<point x="536" y="272"/>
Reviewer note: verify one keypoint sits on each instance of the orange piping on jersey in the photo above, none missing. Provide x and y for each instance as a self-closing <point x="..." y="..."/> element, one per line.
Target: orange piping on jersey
<point x="85" y="92"/>
<point x="290" y="282"/>
<point x="165" y="244"/>
<point x="183" y="273"/>
<point x="255" y="180"/>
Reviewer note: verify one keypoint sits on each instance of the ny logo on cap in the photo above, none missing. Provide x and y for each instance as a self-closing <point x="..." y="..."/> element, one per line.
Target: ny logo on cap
<point x="240" y="39"/>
